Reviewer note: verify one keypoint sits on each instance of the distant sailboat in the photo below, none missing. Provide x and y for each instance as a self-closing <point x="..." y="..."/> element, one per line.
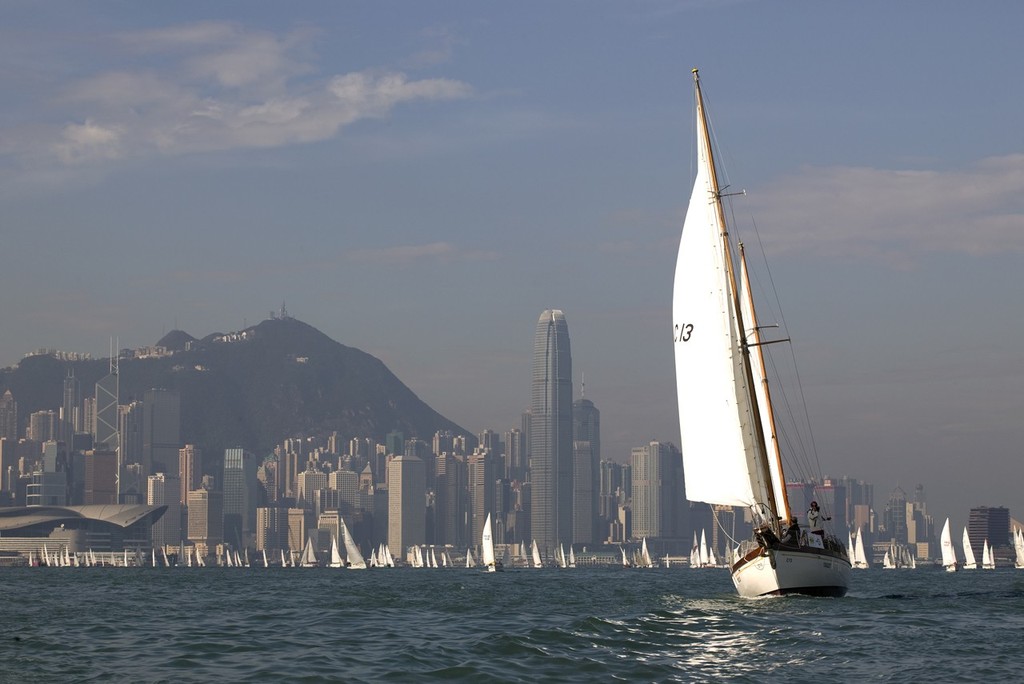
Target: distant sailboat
<point x="860" y="560"/>
<point x="470" y="561"/>
<point x="535" y="554"/>
<point x="1018" y="548"/>
<point x="988" y="561"/>
<point x="487" y="547"/>
<point x="308" y="559"/>
<point x="265" y="563"/>
<point x="970" y="562"/>
<point x="355" y="557"/>
<point x="572" y="558"/>
<point x="336" y="560"/>
<point x="946" y="544"/>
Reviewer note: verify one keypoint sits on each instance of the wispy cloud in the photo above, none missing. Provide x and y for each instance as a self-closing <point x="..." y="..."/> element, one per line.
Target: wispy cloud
<point x="895" y="214"/>
<point x="214" y="86"/>
<point x="434" y="251"/>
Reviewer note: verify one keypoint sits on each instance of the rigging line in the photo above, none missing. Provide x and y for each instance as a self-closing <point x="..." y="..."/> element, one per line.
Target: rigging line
<point x="796" y="368"/>
<point x="718" y="523"/>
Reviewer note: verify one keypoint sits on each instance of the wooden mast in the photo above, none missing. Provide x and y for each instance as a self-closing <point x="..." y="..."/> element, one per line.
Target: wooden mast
<point x="762" y="450"/>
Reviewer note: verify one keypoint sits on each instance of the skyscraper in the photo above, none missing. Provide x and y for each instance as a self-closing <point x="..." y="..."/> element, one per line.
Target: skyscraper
<point x="71" y="409"/>
<point x="551" y="433"/>
<point x="8" y="417"/>
<point x="239" y="505"/>
<point x="406" y="503"/>
<point x="161" y="430"/>
<point x="586" y="476"/>
<point x="162" y="490"/>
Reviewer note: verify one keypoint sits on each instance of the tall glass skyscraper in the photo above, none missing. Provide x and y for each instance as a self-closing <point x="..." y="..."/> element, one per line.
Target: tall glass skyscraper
<point x="551" y="434"/>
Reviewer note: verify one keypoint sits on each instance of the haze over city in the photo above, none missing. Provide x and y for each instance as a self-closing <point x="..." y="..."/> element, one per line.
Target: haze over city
<point x="420" y="181"/>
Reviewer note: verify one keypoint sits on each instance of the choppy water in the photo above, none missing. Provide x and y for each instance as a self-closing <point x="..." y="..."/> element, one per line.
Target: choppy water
<point x="96" y="624"/>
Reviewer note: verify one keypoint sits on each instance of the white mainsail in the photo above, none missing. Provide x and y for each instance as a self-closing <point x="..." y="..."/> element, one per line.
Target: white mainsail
<point x="535" y="553"/>
<point x="352" y="552"/>
<point x="860" y="559"/>
<point x="715" y="415"/>
<point x="470" y="561"/>
<point x="946" y="544"/>
<point x="487" y="546"/>
<point x="970" y="562"/>
<point x="308" y="559"/>
<point x="336" y="560"/>
<point x="988" y="561"/>
<point x="704" y="557"/>
<point x="1018" y="548"/>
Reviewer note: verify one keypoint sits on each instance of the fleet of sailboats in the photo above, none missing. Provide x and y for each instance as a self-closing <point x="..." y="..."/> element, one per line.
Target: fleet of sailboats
<point x="730" y="450"/>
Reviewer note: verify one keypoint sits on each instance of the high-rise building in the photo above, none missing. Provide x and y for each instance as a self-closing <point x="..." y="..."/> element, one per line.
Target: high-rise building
<point x="271" y="529"/>
<point x="71" y="409"/>
<point x="406" y="503"/>
<point x="190" y="469"/>
<point x="205" y="518"/>
<point x="657" y="493"/>
<point x="161" y="430"/>
<point x="991" y="523"/>
<point x="551" y="433"/>
<point x="450" y="506"/>
<point x="239" y="486"/>
<point x="8" y="417"/>
<point x="515" y="455"/>
<point x="481" y="475"/>
<point x="129" y="430"/>
<point x="586" y="475"/>
<point x="100" y="477"/>
<point x="162" y="490"/>
<point x="42" y="426"/>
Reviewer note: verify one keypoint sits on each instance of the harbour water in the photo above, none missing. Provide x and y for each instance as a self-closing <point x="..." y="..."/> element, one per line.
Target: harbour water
<point x="599" y="624"/>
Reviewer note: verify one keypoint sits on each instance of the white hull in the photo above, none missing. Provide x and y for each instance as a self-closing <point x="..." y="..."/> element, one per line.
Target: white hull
<point x="795" y="572"/>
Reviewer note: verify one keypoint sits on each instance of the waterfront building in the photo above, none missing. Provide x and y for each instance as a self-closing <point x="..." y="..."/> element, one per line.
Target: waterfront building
<point x="163" y="490"/>
<point x="586" y="475"/>
<point x="992" y="523"/>
<point x="205" y="518"/>
<point x="406" y="504"/>
<point x="100" y="477"/>
<point x="190" y="469"/>
<point x="450" y="500"/>
<point x="239" y="487"/>
<point x="551" y="454"/>
<point x="657" y="491"/>
<point x="271" y="529"/>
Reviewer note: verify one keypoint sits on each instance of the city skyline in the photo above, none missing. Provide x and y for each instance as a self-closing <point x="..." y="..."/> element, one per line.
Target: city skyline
<point x="452" y="169"/>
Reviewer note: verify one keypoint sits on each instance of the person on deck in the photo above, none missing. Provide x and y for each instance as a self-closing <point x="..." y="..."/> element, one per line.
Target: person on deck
<point x="792" y="535"/>
<point x="814" y="518"/>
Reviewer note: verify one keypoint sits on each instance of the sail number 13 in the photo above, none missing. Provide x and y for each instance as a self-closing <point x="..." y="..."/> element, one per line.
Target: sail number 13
<point x="683" y="332"/>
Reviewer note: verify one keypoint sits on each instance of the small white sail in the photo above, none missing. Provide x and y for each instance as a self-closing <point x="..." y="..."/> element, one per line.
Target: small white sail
<point x="433" y="558"/>
<point x="266" y="564"/>
<point x="163" y="552"/>
<point x="1018" y="548"/>
<point x="487" y="547"/>
<point x="860" y="559"/>
<point x="336" y="560"/>
<point x="705" y="558"/>
<point x="572" y="558"/>
<point x="988" y="561"/>
<point x="645" y="556"/>
<point x="535" y="553"/>
<point x="970" y="562"/>
<point x="946" y="545"/>
<point x="308" y="559"/>
<point x="470" y="562"/>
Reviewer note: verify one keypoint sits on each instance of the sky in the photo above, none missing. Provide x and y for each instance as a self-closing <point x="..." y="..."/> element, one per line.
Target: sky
<point x="421" y="180"/>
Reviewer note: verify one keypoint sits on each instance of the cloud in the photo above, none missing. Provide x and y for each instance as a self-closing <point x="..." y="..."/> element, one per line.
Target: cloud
<point x="213" y="86"/>
<point x="80" y="142"/>
<point x="891" y="214"/>
<point x="435" y="251"/>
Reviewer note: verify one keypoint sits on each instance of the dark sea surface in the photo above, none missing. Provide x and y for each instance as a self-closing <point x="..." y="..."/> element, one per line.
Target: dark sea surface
<point x="221" y="624"/>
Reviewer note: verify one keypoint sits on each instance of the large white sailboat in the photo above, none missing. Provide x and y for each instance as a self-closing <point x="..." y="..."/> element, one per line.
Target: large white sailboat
<point x="946" y="545"/>
<point x="730" y="451"/>
<point x="352" y="553"/>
